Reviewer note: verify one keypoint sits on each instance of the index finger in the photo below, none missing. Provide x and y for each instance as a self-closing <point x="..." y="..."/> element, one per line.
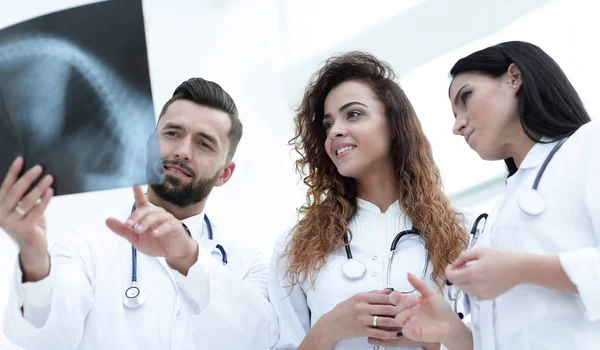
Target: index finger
<point x="11" y="175"/>
<point x="140" y="197"/>
<point x="420" y="286"/>
<point x="377" y="298"/>
<point x="382" y="291"/>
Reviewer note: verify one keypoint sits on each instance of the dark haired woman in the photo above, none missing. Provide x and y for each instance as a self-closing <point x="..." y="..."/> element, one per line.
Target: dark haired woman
<point x="533" y="276"/>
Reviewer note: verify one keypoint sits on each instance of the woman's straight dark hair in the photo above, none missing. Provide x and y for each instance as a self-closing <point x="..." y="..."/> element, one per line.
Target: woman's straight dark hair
<point x="548" y="103"/>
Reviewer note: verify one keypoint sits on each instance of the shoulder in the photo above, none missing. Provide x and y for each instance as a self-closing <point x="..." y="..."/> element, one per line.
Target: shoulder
<point x="248" y="252"/>
<point x="469" y="215"/>
<point x="592" y="127"/>
<point x="582" y="147"/>
<point x="234" y="247"/>
<point x="89" y="232"/>
<point x="281" y="244"/>
<point x="283" y="240"/>
<point x="588" y="133"/>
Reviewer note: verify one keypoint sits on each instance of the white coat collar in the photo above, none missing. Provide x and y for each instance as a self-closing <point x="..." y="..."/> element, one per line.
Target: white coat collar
<point x="196" y="226"/>
<point x="538" y="153"/>
<point x="365" y="208"/>
<point x="199" y="231"/>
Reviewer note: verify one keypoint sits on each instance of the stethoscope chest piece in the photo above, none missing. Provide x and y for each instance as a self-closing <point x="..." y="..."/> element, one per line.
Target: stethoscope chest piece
<point x="353" y="269"/>
<point x="133" y="297"/>
<point x="531" y="202"/>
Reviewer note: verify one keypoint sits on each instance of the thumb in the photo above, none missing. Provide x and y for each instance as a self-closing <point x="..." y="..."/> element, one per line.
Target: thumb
<point x="140" y="197"/>
<point x="420" y="286"/>
<point x="467" y="256"/>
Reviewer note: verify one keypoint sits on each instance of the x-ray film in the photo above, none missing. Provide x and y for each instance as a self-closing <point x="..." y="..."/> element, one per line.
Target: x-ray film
<point x="75" y="97"/>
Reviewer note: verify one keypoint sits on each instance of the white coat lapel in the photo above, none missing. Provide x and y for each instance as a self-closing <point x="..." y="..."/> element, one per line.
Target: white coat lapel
<point x="486" y="307"/>
<point x="168" y="270"/>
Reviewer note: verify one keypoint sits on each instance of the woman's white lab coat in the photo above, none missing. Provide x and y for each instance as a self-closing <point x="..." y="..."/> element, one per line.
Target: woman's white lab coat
<point x="373" y="233"/>
<point x="530" y="317"/>
<point x="80" y="305"/>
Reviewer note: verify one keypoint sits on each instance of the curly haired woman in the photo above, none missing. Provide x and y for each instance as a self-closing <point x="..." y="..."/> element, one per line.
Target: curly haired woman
<point x="370" y="175"/>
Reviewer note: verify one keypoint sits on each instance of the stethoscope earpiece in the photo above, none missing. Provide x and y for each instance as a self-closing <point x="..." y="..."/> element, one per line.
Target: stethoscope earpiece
<point x="473" y="236"/>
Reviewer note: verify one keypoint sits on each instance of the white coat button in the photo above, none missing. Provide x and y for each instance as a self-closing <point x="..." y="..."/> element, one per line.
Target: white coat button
<point x="374" y="274"/>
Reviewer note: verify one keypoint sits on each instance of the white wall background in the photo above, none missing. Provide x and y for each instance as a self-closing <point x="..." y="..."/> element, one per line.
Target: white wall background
<point x="263" y="52"/>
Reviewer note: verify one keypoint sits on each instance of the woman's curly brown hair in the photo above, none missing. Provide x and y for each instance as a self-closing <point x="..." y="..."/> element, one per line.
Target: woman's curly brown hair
<point x="331" y="198"/>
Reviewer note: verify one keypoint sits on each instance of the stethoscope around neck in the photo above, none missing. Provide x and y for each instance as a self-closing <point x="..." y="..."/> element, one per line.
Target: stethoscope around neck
<point x="134" y="296"/>
<point x="354" y="269"/>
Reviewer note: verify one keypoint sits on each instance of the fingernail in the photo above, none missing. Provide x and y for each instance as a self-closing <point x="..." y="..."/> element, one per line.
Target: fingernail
<point x="399" y="334"/>
<point x="140" y="228"/>
<point x="129" y="222"/>
<point x="155" y="231"/>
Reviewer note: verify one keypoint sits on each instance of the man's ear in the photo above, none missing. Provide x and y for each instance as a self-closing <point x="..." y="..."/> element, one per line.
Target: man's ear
<point x="225" y="173"/>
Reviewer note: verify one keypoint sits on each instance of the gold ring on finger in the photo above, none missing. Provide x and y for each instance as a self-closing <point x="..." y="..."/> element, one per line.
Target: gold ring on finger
<point x="20" y="210"/>
<point x="374" y="321"/>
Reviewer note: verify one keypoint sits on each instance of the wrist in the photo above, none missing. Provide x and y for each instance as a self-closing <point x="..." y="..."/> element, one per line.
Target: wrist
<point x="34" y="264"/>
<point x="430" y="346"/>
<point x="546" y="271"/>
<point x="457" y="335"/>
<point x="524" y="268"/>
<point x="451" y="328"/>
<point x="185" y="262"/>
<point x="323" y="333"/>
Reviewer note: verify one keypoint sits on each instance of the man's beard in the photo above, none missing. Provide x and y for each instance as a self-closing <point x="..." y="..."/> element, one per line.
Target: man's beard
<point x="174" y="191"/>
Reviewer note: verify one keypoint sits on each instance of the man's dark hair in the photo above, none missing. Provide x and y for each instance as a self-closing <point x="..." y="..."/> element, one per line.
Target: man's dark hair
<point x="210" y="94"/>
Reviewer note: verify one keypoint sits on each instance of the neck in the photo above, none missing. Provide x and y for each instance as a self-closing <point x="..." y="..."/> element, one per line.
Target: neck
<point x="379" y="187"/>
<point x="178" y="212"/>
<point x="520" y="146"/>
